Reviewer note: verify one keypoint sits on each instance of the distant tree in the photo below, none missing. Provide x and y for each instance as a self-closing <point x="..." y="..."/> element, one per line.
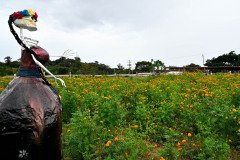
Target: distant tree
<point x="230" y="59"/>
<point x="14" y="64"/>
<point x="192" y="65"/>
<point x="77" y="59"/>
<point x="143" y="66"/>
<point x="8" y="60"/>
<point x="158" y="64"/>
<point x="119" y="66"/>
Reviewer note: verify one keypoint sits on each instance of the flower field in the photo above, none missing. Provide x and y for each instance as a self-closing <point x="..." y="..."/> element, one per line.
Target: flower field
<point x="189" y="116"/>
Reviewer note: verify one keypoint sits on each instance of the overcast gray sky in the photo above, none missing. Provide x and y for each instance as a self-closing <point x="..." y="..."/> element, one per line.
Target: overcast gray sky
<point x="176" y="32"/>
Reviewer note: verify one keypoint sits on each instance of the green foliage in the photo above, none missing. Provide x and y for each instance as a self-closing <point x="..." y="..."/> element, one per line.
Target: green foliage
<point x="212" y="149"/>
<point x="61" y="66"/>
<point x="4" y="71"/>
<point x="143" y="66"/>
<point x="230" y="59"/>
<point x="88" y="139"/>
<point x="158" y="64"/>
<point x="82" y="137"/>
<point x="193" y="65"/>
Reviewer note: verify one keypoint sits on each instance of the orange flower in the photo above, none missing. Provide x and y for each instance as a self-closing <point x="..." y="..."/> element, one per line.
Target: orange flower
<point x="189" y="134"/>
<point x="161" y="158"/>
<point x="179" y="149"/>
<point x="135" y="126"/>
<point x="184" y="141"/>
<point x="108" y="143"/>
<point x="116" y="139"/>
<point x="194" y="145"/>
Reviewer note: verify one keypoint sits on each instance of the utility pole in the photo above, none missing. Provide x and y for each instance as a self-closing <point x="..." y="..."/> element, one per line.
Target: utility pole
<point x="203" y="59"/>
<point x="129" y="66"/>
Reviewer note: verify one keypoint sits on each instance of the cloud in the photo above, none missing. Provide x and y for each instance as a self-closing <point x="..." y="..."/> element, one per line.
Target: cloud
<point x="132" y="14"/>
<point x="115" y="31"/>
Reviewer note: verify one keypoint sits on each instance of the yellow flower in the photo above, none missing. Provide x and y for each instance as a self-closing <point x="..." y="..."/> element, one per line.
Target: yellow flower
<point x="161" y="158"/>
<point x="189" y="134"/>
<point x="178" y="144"/>
<point x="135" y="126"/>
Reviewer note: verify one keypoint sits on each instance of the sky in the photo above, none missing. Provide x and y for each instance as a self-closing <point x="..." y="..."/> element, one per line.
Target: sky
<point x="177" y="32"/>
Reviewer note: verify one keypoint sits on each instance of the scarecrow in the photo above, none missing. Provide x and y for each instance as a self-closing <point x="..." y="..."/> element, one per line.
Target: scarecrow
<point x="30" y="108"/>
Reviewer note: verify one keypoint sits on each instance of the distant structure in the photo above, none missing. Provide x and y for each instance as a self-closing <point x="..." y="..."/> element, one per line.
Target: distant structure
<point x="232" y="69"/>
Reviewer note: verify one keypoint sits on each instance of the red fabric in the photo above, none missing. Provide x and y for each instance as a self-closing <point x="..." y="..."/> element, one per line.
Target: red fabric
<point x="35" y="15"/>
<point x="17" y="15"/>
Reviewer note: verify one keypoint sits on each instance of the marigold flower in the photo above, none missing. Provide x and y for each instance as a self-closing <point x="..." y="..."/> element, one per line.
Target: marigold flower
<point x="194" y="145"/>
<point x="184" y="141"/>
<point x="116" y="139"/>
<point x="179" y="149"/>
<point x="178" y="144"/>
<point x="189" y="134"/>
<point x="108" y="143"/>
<point x="161" y="158"/>
<point x="135" y="126"/>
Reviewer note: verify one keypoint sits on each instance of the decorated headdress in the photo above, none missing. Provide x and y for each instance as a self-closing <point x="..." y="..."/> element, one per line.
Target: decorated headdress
<point x="25" y="19"/>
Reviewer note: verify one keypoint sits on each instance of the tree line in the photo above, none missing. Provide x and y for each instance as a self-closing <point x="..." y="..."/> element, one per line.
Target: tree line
<point x="75" y="66"/>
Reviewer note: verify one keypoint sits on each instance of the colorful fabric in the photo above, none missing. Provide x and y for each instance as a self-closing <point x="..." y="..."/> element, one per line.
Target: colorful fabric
<point x="25" y="13"/>
<point x="31" y="12"/>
